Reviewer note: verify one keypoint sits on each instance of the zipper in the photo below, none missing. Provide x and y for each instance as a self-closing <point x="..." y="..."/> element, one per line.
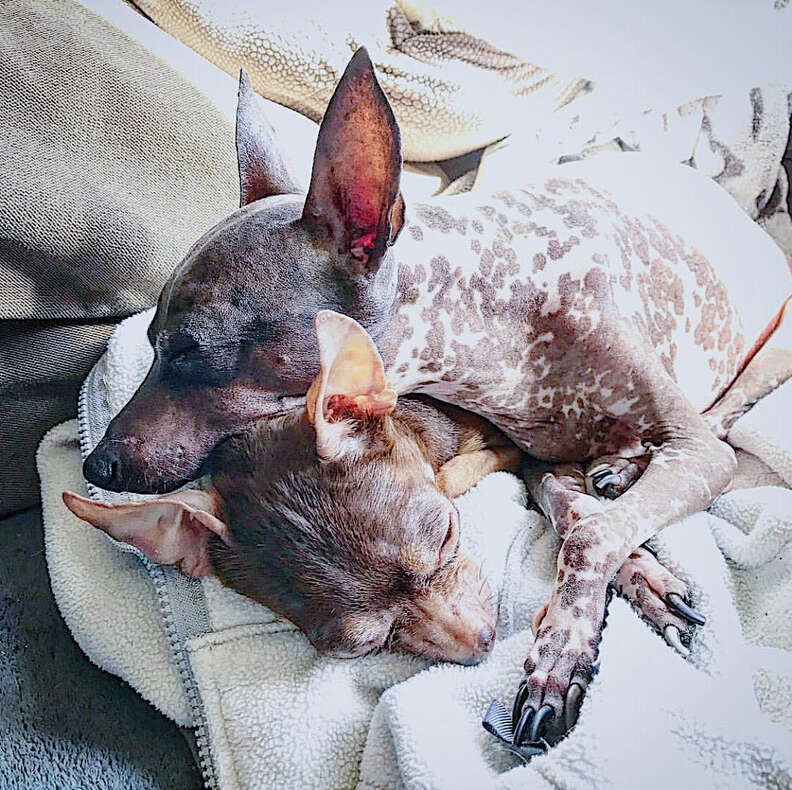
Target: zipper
<point x="157" y="574"/>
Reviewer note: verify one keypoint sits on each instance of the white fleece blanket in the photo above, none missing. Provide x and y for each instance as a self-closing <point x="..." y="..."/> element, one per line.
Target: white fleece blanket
<point x="270" y="712"/>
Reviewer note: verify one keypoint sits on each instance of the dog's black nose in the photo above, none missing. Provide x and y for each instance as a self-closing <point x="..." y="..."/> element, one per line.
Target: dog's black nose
<point x="486" y="639"/>
<point x="103" y="467"/>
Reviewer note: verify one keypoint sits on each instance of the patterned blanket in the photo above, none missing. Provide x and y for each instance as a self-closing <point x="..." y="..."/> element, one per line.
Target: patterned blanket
<point x="453" y="92"/>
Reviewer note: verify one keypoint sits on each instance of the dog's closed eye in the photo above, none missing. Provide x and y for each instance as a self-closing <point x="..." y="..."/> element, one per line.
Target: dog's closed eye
<point x="450" y="544"/>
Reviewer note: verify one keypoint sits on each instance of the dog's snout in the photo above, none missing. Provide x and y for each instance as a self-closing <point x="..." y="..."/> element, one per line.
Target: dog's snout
<point x="486" y="639"/>
<point x="103" y="467"/>
<point x="484" y="643"/>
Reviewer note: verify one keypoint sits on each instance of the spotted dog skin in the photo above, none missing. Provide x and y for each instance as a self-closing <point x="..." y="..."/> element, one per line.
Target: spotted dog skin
<point x="581" y="330"/>
<point x="592" y="309"/>
<point x="561" y="493"/>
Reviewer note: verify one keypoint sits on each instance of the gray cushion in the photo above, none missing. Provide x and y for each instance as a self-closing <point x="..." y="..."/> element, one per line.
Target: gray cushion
<point x="112" y="165"/>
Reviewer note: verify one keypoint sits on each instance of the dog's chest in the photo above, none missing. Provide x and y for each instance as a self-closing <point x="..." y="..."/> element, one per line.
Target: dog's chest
<point x="527" y="305"/>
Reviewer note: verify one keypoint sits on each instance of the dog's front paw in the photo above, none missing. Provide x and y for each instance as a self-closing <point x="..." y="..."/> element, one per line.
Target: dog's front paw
<point x="658" y="596"/>
<point x="558" y="672"/>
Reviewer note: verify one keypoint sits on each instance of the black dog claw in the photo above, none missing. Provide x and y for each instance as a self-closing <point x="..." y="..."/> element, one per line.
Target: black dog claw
<point x="691" y="615"/>
<point x="519" y="701"/>
<point x="603" y="479"/>
<point x="497" y="722"/>
<point x="521" y="732"/>
<point x="522" y="726"/>
<point x="574" y="697"/>
<point x="601" y="473"/>
<point x="538" y="720"/>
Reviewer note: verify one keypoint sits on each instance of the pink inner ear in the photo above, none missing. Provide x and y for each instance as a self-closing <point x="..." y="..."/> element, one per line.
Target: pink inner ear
<point x="362" y="215"/>
<point x="362" y="246"/>
<point x="170" y="530"/>
<point x="357" y="163"/>
<point x="342" y="407"/>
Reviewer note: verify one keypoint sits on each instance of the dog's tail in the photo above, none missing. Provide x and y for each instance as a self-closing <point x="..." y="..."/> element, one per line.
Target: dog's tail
<point x="767" y="366"/>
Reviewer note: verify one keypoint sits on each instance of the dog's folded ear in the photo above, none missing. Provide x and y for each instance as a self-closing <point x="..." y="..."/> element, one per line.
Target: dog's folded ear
<point x="172" y="530"/>
<point x="350" y="389"/>
<point x="262" y="169"/>
<point x="354" y="194"/>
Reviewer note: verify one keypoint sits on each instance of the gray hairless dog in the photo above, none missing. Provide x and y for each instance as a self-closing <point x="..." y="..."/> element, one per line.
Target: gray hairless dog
<point x="595" y="310"/>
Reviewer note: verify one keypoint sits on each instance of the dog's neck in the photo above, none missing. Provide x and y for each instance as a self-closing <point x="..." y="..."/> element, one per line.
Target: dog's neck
<point x="419" y="336"/>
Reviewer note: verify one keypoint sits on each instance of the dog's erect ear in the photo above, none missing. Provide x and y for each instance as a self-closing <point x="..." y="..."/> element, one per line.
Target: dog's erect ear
<point x="350" y="386"/>
<point x="172" y="530"/>
<point x="354" y="192"/>
<point x="262" y="169"/>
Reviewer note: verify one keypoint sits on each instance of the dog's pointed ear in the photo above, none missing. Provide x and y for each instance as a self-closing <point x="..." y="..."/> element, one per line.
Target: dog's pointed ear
<point x="172" y="530"/>
<point x="354" y="194"/>
<point x="350" y="387"/>
<point x="262" y="169"/>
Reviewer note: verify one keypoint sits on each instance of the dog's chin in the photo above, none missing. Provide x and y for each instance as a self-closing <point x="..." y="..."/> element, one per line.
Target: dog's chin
<point x="165" y="485"/>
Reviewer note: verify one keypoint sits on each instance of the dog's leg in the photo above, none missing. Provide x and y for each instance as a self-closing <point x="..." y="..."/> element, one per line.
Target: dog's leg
<point x="657" y="596"/>
<point x="688" y="467"/>
<point x="463" y="471"/>
<point x="653" y="591"/>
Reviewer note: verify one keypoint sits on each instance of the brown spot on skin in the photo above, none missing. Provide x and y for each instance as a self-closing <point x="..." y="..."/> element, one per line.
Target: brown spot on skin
<point x="441" y="274"/>
<point x="435" y="340"/>
<point x="574" y="590"/>
<point x="407" y="285"/>
<point x="487" y="262"/>
<point x="505" y="197"/>
<point x="574" y="552"/>
<point x="435" y="217"/>
<point x="557" y="251"/>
